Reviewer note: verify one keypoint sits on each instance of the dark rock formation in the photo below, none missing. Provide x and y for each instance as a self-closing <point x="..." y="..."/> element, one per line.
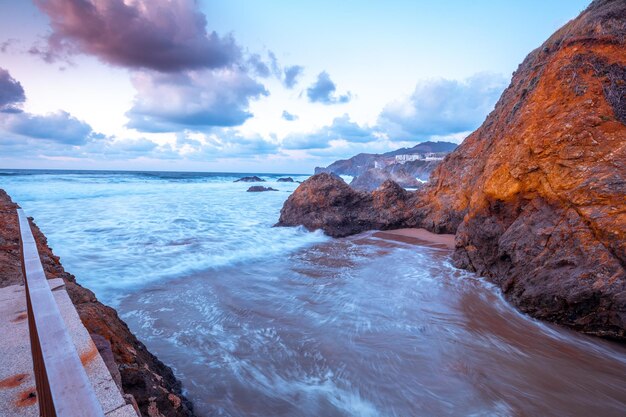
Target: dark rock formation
<point x="536" y="195"/>
<point x="326" y="202"/>
<point x="374" y="178"/>
<point x="146" y="378"/>
<point x="260" y="188"/>
<point x="287" y="179"/>
<point x="253" y="178"/>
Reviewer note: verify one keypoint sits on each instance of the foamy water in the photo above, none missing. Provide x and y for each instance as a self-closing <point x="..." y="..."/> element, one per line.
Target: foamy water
<point x="262" y="321"/>
<point x="119" y="231"/>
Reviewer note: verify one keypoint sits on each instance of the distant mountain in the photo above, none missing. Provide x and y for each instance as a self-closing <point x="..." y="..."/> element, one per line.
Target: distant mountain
<point x="424" y="147"/>
<point x="419" y="162"/>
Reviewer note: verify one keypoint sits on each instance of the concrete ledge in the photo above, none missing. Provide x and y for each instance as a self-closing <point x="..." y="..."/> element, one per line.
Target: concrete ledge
<point x="17" y="381"/>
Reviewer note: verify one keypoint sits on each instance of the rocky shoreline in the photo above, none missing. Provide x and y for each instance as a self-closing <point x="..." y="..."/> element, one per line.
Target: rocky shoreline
<point x="535" y="196"/>
<point x="143" y="378"/>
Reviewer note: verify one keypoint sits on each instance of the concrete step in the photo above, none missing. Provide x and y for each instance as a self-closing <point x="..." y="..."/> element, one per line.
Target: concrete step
<point x="18" y="396"/>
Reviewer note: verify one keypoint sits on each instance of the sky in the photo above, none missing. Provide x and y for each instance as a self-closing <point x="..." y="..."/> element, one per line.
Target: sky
<point x="249" y="86"/>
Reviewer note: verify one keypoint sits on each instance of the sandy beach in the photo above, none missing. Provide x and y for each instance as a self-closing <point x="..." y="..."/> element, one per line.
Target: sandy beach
<point x="417" y="236"/>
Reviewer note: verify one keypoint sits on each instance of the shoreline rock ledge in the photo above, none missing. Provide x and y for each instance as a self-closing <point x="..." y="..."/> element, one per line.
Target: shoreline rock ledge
<point x="536" y="195"/>
<point x="145" y="380"/>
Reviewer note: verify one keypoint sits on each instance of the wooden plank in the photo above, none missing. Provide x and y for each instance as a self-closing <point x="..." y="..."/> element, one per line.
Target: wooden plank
<point x="63" y="388"/>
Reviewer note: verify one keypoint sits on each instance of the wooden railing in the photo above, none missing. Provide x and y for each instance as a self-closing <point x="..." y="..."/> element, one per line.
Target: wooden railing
<point x="63" y="389"/>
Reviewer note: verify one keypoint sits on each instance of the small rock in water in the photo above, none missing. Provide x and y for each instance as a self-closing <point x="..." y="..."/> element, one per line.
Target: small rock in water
<point x="259" y="188"/>
<point x="253" y="178"/>
<point x="288" y="179"/>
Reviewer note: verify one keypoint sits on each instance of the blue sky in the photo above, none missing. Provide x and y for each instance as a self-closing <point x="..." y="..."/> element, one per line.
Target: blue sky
<point x="243" y="85"/>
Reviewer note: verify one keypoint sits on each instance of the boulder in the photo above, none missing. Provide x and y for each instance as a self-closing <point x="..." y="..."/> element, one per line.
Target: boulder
<point x="326" y="202"/>
<point x="260" y="188"/>
<point x="253" y="178"/>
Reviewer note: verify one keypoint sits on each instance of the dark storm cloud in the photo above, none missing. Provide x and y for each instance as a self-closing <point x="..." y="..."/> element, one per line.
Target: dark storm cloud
<point x="11" y="93"/>
<point x="161" y="35"/>
<point x="323" y="91"/>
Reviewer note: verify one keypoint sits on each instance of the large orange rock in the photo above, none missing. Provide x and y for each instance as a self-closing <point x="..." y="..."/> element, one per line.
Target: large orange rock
<point x="537" y="195"/>
<point x="326" y="202"/>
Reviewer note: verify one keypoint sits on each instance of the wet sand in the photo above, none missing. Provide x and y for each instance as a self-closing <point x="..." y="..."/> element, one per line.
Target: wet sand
<point x="369" y="326"/>
<point x="417" y="236"/>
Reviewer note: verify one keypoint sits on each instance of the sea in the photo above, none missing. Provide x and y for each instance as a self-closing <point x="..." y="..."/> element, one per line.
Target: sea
<point x="257" y="320"/>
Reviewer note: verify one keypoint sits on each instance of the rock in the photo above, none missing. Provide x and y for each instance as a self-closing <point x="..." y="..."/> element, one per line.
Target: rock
<point x="104" y="349"/>
<point x="253" y="178"/>
<point x="142" y="374"/>
<point x="326" y="202"/>
<point x="536" y="194"/>
<point x="287" y="179"/>
<point x="374" y="178"/>
<point x="260" y="188"/>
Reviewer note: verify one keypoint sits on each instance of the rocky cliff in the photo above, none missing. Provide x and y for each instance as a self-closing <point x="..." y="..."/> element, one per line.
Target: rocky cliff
<point x="359" y="164"/>
<point x="537" y="195"/>
<point x="154" y="387"/>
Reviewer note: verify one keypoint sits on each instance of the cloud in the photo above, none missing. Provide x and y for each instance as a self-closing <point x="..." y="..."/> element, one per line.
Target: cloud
<point x="346" y="129"/>
<point x="274" y="64"/>
<point x="115" y="148"/>
<point x="60" y="127"/>
<point x="341" y="129"/>
<point x="292" y="74"/>
<point x="11" y="93"/>
<point x="288" y="116"/>
<point x="6" y="45"/>
<point x="444" y="107"/>
<point x="258" y="66"/>
<point x="323" y="91"/>
<point x="224" y="143"/>
<point x="271" y="67"/>
<point x="192" y="100"/>
<point x="162" y="35"/>
<point x="98" y="147"/>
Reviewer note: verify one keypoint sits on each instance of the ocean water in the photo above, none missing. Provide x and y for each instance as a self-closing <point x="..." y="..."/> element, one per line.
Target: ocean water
<point x="118" y="231"/>
<point x="264" y="321"/>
